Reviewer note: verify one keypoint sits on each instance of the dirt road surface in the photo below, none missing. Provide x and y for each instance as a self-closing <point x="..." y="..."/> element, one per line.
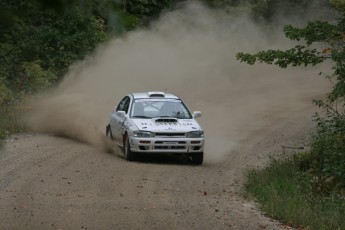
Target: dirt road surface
<point x="49" y="182"/>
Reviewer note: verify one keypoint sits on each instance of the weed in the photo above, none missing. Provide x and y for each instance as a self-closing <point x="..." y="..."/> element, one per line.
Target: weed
<point x="286" y="193"/>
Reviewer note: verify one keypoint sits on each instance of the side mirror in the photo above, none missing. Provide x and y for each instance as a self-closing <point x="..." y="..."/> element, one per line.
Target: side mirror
<point x="196" y="114"/>
<point x="121" y="113"/>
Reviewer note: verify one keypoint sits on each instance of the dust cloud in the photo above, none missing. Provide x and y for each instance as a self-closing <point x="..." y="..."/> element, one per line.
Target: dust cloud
<point x="189" y="52"/>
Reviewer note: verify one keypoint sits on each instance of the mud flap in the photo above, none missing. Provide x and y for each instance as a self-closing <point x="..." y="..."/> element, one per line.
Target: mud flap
<point x="107" y="129"/>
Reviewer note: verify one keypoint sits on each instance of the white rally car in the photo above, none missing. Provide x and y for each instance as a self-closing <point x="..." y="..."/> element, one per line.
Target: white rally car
<point x="156" y="122"/>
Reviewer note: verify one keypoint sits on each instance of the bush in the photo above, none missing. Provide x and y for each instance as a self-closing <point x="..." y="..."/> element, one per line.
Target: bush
<point x="5" y="94"/>
<point x="303" y="160"/>
<point x="287" y="194"/>
<point x="328" y="145"/>
<point x="328" y="154"/>
<point x="3" y="134"/>
<point x="10" y="119"/>
<point x="35" y="78"/>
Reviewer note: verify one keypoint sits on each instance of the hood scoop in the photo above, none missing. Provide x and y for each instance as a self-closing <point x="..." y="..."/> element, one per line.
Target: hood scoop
<point x="165" y="120"/>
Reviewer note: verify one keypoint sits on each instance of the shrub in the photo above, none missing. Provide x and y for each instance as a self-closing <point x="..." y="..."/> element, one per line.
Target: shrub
<point x="35" y="78"/>
<point x="289" y="195"/>
<point x="5" y="94"/>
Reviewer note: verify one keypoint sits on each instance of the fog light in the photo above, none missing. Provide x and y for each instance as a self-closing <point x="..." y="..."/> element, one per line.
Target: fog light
<point x="144" y="147"/>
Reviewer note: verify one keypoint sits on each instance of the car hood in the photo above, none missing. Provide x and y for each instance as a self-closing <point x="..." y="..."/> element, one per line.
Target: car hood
<point x="167" y="125"/>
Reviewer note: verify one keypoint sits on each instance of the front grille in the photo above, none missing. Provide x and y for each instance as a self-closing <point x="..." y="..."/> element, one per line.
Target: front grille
<point x="169" y="147"/>
<point x="170" y="134"/>
<point x="171" y="142"/>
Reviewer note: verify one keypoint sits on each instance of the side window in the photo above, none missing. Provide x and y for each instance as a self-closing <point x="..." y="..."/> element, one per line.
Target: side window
<point x="124" y="104"/>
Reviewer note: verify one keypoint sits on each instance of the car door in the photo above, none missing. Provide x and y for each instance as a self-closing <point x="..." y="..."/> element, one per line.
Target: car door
<point x="117" y="122"/>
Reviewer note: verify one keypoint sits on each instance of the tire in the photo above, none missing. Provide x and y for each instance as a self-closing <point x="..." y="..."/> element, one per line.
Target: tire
<point x="198" y="158"/>
<point x="128" y="154"/>
<point x="108" y="132"/>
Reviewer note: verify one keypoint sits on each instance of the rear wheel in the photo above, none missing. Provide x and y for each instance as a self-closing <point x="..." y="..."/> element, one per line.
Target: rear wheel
<point x="198" y="158"/>
<point x="128" y="154"/>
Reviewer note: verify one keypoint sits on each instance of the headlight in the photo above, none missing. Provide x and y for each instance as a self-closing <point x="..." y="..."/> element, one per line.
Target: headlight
<point x="143" y="134"/>
<point x="195" y="134"/>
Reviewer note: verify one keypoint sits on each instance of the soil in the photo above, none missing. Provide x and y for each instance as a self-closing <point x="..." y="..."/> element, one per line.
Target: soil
<point x="50" y="182"/>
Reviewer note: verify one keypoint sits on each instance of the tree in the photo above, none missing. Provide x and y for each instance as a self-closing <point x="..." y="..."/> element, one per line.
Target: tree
<point x="45" y="39"/>
<point x="322" y="41"/>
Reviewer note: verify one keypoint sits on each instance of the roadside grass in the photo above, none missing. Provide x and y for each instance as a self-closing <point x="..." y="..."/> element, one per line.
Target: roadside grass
<point x="285" y="193"/>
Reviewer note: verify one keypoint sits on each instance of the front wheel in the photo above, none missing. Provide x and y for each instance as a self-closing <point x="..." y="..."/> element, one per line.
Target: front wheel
<point x="198" y="158"/>
<point x="128" y="154"/>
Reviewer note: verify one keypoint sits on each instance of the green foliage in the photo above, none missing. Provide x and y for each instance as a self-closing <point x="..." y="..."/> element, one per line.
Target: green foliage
<point x="323" y="41"/>
<point x="315" y="32"/>
<point x="147" y="8"/>
<point x="5" y="94"/>
<point x="69" y="38"/>
<point x="2" y="135"/>
<point x="339" y="4"/>
<point x="44" y="37"/>
<point x="128" y="21"/>
<point x="5" y="100"/>
<point x="223" y="3"/>
<point x="303" y="160"/>
<point x="287" y="194"/>
<point x="333" y="120"/>
<point x="35" y="78"/>
<point x="296" y="56"/>
<point x="10" y="117"/>
<point x="328" y="156"/>
<point x="57" y="34"/>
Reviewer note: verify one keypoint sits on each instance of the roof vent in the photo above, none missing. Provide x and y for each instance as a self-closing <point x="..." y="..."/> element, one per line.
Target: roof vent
<point x="156" y="94"/>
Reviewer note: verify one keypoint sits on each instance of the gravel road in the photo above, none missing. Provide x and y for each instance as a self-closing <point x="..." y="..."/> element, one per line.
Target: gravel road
<point x="49" y="182"/>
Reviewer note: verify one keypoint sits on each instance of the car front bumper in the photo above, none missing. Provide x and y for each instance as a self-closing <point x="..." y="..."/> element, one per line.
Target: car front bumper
<point x="166" y="145"/>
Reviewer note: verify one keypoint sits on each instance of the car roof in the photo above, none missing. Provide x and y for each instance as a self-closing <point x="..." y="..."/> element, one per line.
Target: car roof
<point x="153" y="95"/>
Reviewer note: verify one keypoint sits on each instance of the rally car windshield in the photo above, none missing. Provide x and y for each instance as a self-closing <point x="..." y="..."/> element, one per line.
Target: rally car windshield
<point x="143" y="108"/>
